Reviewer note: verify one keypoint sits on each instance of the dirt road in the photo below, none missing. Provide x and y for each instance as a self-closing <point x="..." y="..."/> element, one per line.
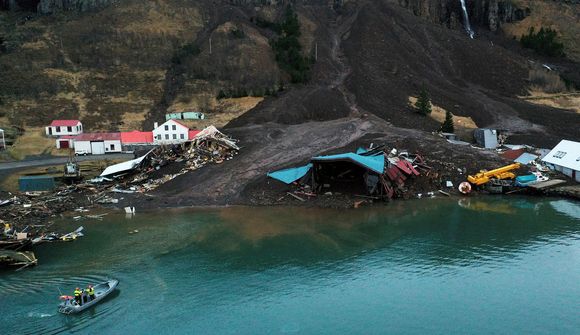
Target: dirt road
<point x="4" y="167"/>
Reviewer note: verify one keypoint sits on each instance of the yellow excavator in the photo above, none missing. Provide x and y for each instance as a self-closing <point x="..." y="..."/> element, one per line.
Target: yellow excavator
<point x="501" y="173"/>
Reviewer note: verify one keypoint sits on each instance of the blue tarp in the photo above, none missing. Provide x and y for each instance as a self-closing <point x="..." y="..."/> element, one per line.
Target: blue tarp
<point x="291" y="175"/>
<point x="374" y="163"/>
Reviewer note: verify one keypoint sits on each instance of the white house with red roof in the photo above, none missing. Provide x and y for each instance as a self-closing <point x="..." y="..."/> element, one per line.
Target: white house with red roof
<point x="64" y="127"/>
<point x="170" y="132"/>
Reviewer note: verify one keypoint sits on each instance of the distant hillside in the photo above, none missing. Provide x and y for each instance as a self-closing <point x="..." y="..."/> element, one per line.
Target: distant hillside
<point x="123" y="64"/>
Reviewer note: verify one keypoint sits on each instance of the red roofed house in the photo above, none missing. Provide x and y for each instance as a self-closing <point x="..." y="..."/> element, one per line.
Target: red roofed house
<point x="64" y="127"/>
<point x="97" y="143"/>
<point x="137" y="138"/>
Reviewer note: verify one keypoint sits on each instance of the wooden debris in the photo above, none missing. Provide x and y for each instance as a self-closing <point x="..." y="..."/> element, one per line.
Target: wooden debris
<point x="295" y="196"/>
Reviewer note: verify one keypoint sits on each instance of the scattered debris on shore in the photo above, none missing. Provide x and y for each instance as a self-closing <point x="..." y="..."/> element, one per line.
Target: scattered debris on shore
<point x="383" y="173"/>
<point x="26" y="216"/>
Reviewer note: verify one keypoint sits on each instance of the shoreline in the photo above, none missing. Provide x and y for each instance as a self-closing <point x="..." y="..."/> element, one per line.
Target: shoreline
<point x="300" y="205"/>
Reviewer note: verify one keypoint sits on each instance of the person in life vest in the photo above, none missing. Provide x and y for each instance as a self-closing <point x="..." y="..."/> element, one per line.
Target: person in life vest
<point x="8" y="231"/>
<point x="91" y="291"/>
<point x="78" y="294"/>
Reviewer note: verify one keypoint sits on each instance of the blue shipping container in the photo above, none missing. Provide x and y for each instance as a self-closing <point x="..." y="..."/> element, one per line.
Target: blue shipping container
<point x="36" y="183"/>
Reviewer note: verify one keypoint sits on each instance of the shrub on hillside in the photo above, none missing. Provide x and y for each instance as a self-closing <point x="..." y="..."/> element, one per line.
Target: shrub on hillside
<point x="447" y="125"/>
<point x="543" y="42"/>
<point x="423" y="103"/>
<point x="288" y="50"/>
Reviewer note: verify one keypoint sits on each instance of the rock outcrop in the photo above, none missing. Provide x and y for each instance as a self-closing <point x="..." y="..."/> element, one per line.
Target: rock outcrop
<point x="490" y="14"/>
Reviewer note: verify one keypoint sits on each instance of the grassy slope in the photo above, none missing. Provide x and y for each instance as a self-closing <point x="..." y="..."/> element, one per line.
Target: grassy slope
<point x="557" y="15"/>
<point x="97" y="66"/>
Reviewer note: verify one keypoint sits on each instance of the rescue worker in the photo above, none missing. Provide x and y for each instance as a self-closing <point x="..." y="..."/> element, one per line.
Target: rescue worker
<point x="8" y="229"/>
<point x="78" y="294"/>
<point x="91" y="291"/>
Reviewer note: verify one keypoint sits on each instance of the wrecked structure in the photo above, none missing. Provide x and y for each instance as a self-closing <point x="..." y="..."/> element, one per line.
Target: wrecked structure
<point x="146" y="173"/>
<point x="374" y="173"/>
<point x="26" y="217"/>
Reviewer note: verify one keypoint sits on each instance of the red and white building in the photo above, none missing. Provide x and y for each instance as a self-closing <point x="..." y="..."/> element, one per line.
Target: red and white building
<point x="64" y="127"/>
<point x="65" y="142"/>
<point x="97" y="143"/>
<point x="170" y="132"/>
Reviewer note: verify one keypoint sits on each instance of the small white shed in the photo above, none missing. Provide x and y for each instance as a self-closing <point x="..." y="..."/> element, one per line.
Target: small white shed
<point x="486" y="138"/>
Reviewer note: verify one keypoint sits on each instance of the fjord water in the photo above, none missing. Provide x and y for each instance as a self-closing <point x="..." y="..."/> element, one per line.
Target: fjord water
<point x="431" y="266"/>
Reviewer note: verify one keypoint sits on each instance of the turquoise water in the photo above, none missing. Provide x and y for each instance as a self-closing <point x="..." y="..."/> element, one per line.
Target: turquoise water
<point x="432" y="266"/>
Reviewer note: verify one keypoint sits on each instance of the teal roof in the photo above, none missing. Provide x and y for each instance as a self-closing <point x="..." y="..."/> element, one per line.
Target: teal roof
<point x="374" y="163"/>
<point x="291" y="175"/>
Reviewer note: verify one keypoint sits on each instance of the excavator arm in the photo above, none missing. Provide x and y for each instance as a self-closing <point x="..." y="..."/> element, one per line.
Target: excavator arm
<point x="500" y="173"/>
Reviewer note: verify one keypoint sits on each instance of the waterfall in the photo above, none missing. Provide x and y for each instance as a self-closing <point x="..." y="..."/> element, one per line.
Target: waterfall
<point x="470" y="31"/>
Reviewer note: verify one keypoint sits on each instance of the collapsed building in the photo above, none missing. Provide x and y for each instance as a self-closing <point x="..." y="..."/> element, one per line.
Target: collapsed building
<point x="25" y="217"/>
<point x="374" y="172"/>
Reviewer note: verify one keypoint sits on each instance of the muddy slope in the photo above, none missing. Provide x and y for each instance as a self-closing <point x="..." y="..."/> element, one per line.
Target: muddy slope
<point x="381" y="54"/>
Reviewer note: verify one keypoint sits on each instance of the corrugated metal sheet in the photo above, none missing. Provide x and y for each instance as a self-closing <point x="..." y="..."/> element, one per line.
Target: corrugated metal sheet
<point x="288" y="176"/>
<point x="512" y="154"/>
<point x="124" y="167"/>
<point x="374" y="163"/>
<point x="525" y="158"/>
<point x="395" y="174"/>
<point x="193" y="133"/>
<point x="133" y="137"/>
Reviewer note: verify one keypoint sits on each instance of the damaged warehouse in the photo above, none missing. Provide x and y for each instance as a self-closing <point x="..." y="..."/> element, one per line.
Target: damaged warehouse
<point x="373" y="173"/>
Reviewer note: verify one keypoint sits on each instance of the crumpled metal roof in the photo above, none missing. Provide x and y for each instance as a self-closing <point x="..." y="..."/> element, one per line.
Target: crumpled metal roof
<point x="291" y="175"/>
<point x="125" y="166"/>
<point x="374" y="163"/>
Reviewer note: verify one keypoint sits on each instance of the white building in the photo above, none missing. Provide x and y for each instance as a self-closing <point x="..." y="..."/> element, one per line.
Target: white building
<point x="64" y="127"/>
<point x="486" y="138"/>
<point x="97" y="143"/>
<point x="565" y="157"/>
<point x="65" y="142"/>
<point x="170" y="132"/>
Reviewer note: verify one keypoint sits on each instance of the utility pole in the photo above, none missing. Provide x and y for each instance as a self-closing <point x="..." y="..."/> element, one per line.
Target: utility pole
<point x="210" y="45"/>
